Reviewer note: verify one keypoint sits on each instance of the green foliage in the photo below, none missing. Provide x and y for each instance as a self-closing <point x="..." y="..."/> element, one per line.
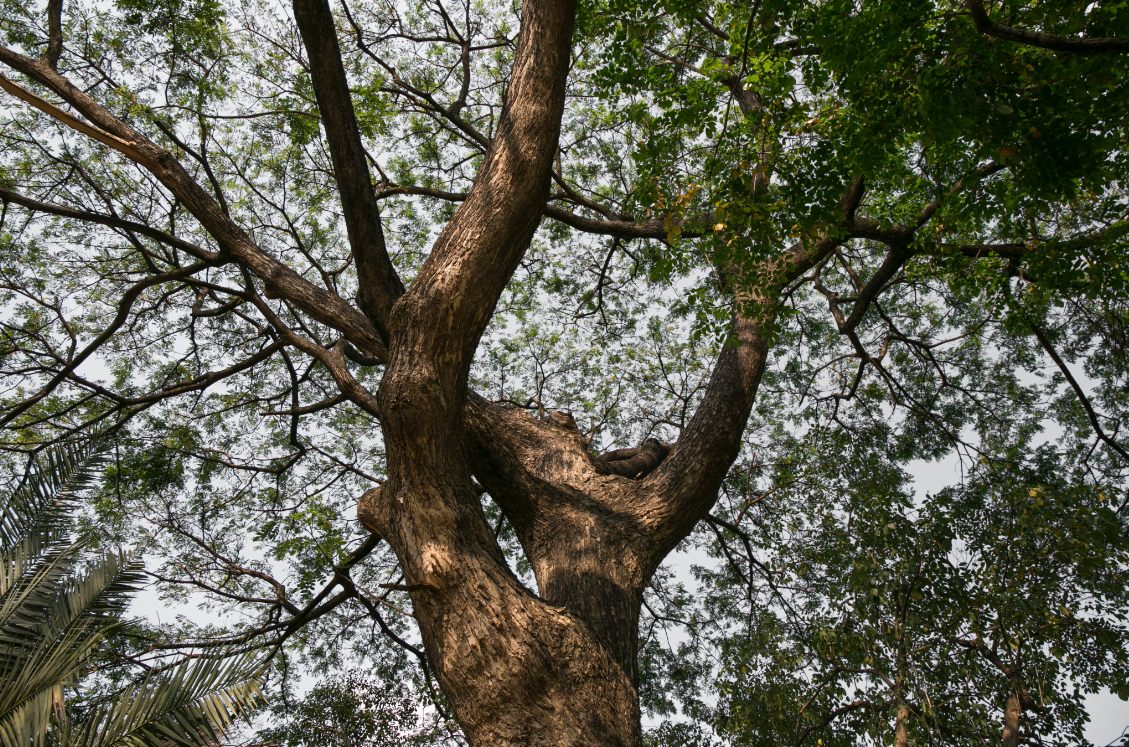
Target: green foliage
<point x="355" y="710"/>
<point x="829" y="585"/>
<point x="58" y="608"/>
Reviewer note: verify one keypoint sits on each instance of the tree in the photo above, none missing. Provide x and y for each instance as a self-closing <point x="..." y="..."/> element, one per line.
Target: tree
<point x="883" y="217"/>
<point x="1003" y="598"/>
<point x="54" y="618"/>
<point x="354" y="710"/>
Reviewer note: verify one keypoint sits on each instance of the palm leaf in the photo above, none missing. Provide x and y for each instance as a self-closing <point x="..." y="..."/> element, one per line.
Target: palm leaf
<point x="50" y="483"/>
<point x="25" y="608"/>
<point x="35" y="518"/>
<point x="194" y="703"/>
<point x="52" y="621"/>
<point x="33" y="681"/>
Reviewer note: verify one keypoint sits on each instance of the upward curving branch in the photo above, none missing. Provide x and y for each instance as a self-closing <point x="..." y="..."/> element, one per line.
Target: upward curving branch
<point x="477" y="252"/>
<point x="685" y="485"/>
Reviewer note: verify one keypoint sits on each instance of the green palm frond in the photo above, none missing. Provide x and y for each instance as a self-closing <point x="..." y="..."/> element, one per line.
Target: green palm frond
<point x="102" y="593"/>
<point x="23" y="607"/>
<point x="39" y="595"/>
<point x="194" y="703"/>
<point x="31" y="688"/>
<point x="35" y="518"/>
<point x="52" y="620"/>
<point x="27" y="724"/>
<point x="54" y="641"/>
<point x="53" y="479"/>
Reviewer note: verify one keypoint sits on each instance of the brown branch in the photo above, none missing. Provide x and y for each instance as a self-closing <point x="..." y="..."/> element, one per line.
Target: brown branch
<point x="332" y="358"/>
<point x="1081" y="46"/>
<point x="380" y="286"/>
<point x="108" y="220"/>
<point x="634" y="463"/>
<point x="625" y="229"/>
<point x="1082" y="398"/>
<point x="281" y="281"/>
<point x="325" y="404"/>
<point x="877" y="283"/>
<point x="981" y="648"/>
<point x="54" y="33"/>
<point x="124" y="306"/>
<point x="66" y="118"/>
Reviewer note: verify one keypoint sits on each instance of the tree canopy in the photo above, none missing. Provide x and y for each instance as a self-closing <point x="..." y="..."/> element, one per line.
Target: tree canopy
<point x="425" y="332"/>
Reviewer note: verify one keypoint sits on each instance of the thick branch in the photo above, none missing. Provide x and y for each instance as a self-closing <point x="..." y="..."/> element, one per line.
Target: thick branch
<point x="453" y="297"/>
<point x="1083" y="46"/>
<point x="685" y="485"/>
<point x="54" y="33"/>
<point x="380" y="286"/>
<point x="634" y="463"/>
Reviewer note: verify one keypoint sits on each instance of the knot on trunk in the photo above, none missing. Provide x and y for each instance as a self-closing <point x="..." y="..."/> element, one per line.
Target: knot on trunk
<point x="372" y="512"/>
<point x="634" y="463"/>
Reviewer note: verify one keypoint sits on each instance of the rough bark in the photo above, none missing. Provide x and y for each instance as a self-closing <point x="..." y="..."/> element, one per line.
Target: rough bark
<point x="553" y="668"/>
<point x="518" y="669"/>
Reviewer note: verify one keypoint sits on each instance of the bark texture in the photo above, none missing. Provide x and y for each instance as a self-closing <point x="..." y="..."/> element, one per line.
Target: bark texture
<point x="901" y="735"/>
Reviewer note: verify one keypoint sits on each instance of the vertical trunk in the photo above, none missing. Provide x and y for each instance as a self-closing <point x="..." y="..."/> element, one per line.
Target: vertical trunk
<point x="901" y="736"/>
<point x="1011" y="721"/>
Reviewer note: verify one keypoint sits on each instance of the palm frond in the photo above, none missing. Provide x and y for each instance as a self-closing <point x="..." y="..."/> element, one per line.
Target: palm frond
<point x="25" y="608"/>
<point x="36" y="516"/>
<point x="192" y="704"/>
<point x="39" y="672"/>
<point x="26" y="724"/>
<point x="102" y="593"/>
<point x="52" y="620"/>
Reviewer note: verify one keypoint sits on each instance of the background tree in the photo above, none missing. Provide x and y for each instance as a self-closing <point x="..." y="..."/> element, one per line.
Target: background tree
<point x="1005" y="595"/>
<point x="291" y="258"/>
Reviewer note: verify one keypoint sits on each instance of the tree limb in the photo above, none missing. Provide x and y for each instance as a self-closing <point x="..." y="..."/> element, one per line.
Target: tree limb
<point x="1082" y="46"/>
<point x="281" y="281"/>
<point x="380" y="286"/>
<point x="109" y="220"/>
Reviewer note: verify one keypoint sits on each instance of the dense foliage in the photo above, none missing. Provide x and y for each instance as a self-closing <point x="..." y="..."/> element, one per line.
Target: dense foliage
<point x="975" y="314"/>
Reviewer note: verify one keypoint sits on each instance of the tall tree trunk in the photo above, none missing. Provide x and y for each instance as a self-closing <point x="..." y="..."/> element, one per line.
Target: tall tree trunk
<point x="1011" y="721"/>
